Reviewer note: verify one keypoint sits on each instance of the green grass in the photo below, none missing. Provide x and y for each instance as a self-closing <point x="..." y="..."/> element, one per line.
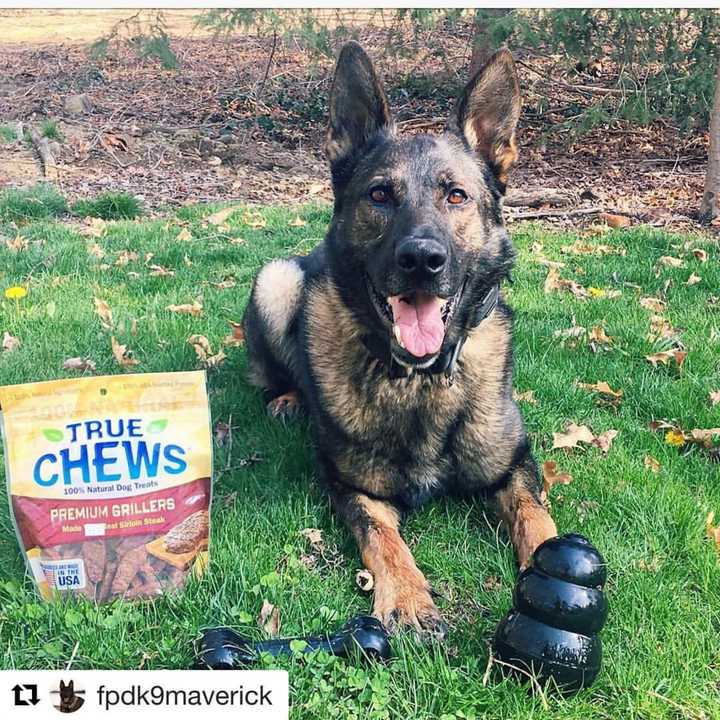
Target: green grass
<point x="35" y="203"/>
<point x="109" y="206"/>
<point x="8" y="134"/>
<point x="662" y="656"/>
<point x="50" y="130"/>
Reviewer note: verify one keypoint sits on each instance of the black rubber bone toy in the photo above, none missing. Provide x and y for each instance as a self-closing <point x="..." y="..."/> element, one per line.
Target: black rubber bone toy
<point x="224" y="649"/>
<point x="558" y="610"/>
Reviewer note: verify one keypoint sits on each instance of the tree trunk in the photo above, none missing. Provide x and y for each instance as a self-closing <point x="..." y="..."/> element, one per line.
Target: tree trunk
<point x="710" y="205"/>
<point x="483" y="46"/>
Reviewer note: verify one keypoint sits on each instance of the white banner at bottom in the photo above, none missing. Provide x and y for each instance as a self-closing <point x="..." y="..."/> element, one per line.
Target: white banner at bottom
<point x="127" y="694"/>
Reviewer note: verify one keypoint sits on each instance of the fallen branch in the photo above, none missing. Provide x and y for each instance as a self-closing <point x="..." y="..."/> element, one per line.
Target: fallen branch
<point x="536" y="198"/>
<point x="42" y="147"/>
<point x="555" y="213"/>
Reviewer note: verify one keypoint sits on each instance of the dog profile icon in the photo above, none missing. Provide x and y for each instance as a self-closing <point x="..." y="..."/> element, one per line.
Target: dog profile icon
<point x="71" y="700"/>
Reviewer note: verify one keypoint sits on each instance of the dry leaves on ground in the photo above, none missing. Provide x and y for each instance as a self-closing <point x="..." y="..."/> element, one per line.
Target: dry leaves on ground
<point x="269" y="618"/>
<point x="693" y="280"/>
<point x="315" y="537"/>
<point x="184" y="236"/>
<point x="580" y="248"/>
<point x="700" y="255"/>
<point x="669" y="261"/>
<point x="80" y="364"/>
<point x="715" y="397"/>
<point x="573" y="435"/>
<point x="9" y="342"/>
<point x="553" y="282"/>
<point x="552" y="477"/>
<point x="17" y="244"/>
<point x="221" y="216"/>
<point x="606" y="393"/>
<point x="652" y="464"/>
<point x="195" y="308"/>
<point x="527" y="396"/>
<point x="576" y="434"/>
<point x="661" y="329"/>
<point x="712" y="531"/>
<point x="160" y="271"/>
<point x="204" y="352"/>
<point x="221" y="432"/>
<point x="652" y="303"/>
<point x="615" y="221"/>
<point x="122" y="354"/>
<point x="666" y="356"/>
<point x="237" y="338"/>
<point x="103" y="311"/>
<point x="364" y="580"/>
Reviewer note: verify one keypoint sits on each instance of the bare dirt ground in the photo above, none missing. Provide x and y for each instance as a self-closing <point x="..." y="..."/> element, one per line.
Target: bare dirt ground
<point x="243" y="119"/>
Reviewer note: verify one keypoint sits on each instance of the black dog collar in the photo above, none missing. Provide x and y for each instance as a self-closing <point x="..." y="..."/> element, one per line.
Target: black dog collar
<point x="445" y="362"/>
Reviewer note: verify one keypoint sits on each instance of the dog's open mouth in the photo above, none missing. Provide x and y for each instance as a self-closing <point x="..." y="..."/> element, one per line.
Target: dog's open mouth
<point x="418" y="319"/>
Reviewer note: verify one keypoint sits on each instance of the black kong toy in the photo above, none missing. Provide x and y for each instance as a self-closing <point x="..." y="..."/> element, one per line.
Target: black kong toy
<point x="558" y="610"/>
<point x="224" y="649"/>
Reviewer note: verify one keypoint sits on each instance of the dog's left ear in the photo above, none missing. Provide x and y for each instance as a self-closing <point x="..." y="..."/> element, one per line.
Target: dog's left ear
<point x="488" y="111"/>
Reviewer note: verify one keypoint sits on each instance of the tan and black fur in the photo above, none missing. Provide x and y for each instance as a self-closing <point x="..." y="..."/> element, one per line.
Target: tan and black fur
<point x="390" y="430"/>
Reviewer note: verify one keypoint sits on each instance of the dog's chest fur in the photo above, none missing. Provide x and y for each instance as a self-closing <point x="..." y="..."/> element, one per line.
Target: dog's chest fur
<point x="391" y="438"/>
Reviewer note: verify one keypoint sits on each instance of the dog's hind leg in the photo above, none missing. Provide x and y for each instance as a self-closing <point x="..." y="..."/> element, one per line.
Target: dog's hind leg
<point x="270" y="325"/>
<point x="402" y="594"/>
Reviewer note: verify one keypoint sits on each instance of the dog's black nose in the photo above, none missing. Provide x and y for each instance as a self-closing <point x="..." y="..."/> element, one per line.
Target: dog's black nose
<point x="422" y="257"/>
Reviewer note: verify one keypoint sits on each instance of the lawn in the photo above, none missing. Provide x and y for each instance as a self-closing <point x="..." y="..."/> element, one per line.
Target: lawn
<point x="662" y="657"/>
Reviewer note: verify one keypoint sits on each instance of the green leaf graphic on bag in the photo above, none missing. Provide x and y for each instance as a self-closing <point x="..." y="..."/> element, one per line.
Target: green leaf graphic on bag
<point x="53" y="435"/>
<point x="157" y="426"/>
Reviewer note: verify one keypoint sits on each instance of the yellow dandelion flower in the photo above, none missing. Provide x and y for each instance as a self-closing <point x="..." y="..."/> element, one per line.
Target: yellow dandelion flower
<point x="15" y="293"/>
<point x="674" y="438"/>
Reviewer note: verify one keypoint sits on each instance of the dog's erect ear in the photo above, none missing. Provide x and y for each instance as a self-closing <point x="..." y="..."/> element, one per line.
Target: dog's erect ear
<point x="62" y="685"/>
<point x="488" y="111"/>
<point x="358" y="105"/>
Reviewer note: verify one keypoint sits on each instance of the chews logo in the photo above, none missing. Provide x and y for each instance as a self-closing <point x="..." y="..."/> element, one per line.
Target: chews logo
<point x="104" y="451"/>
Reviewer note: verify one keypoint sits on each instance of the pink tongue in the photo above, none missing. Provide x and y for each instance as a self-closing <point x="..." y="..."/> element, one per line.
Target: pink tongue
<point x="421" y="326"/>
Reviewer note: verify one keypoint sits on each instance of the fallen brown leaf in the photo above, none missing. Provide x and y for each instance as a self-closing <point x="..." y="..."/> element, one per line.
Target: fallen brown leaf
<point x="605" y="440"/>
<point x="269" y="618"/>
<point x="227" y="284"/>
<point x="615" y="221"/>
<point x="195" y="309"/>
<point x="221" y="216"/>
<point x="221" y="432"/>
<point x="364" y="580"/>
<point x="661" y="329"/>
<point x="715" y="397"/>
<point x="297" y="221"/>
<point x="527" y="396"/>
<point x="603" y="388"/>
<point x="654" y="304"/>
<point x="580" y="248"/>
<point x="554" y="282"/>
<point x="125" y="257"/>
<point x="160" y="271"/>
<point x="17" y="244"/>
<point x="652" y="464"/>
<point x="314" y="536"/>
<point x="665" y="356"/>
<point x="204" y="353"/>
<point x="103" y="311"/>
<point x="10" y="343"/>
<point x="705" y="437"/>
<point x="254" y="220"/>
<point x="597" y="335"/>
<point x="237" y="339"/>
<point x="94" y="250"/>
<point x="700" y="254"/>
<point x="93" y="227"/>
<point x="184" y="235"/>
<point x="669" y="261"/>
<point x="573" y="435"/>
<point x="121" y="354"/>
<point x="81" y="364"/>
<point x="693" y="280"/>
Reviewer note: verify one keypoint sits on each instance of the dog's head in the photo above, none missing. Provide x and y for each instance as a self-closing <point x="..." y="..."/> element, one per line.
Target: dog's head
<point x="417" y="237"/>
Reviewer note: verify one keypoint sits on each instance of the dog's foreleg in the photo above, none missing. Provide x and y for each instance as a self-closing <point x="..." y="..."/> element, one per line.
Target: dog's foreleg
<point x="402" y="594"/>
<point x="522" y="511"/>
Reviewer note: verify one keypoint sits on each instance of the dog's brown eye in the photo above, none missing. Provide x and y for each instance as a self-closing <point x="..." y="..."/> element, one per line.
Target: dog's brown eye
<point x="379" y="195"/>
<point x="457" y="196"/>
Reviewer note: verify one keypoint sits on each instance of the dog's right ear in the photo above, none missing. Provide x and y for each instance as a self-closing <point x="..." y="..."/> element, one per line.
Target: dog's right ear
<point x="358" y="105"/>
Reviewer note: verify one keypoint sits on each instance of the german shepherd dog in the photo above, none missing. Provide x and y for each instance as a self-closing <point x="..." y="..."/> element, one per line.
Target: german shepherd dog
<point x="392" y="334"/>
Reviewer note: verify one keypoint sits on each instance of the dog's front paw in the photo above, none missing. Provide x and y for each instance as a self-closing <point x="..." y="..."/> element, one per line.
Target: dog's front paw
<point x="409" y="607"/>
